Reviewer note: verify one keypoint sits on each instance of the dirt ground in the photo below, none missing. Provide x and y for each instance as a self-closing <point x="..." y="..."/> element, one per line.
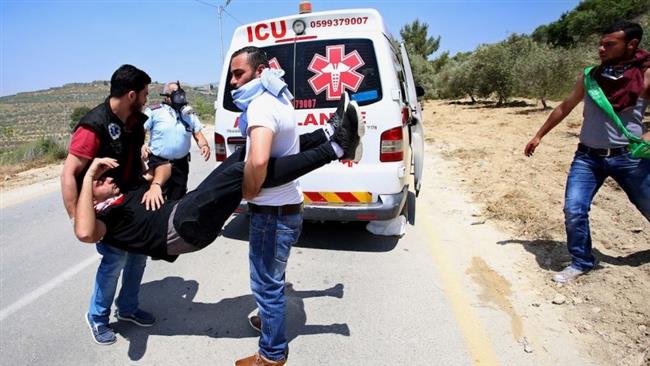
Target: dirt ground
<point x="16" y="176"/>
<point x="608" y="308"/>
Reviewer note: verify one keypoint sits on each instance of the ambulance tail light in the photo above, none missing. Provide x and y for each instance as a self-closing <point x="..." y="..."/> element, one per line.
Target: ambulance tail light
<point x="392" y="145"/>
<point x="219" y="147"/>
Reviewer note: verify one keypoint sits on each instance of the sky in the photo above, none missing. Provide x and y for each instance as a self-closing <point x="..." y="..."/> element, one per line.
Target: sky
<point x="47" y="43"/>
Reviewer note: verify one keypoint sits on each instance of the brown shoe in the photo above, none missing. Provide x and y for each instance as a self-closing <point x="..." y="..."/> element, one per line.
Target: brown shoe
<point x="258" y="360"/>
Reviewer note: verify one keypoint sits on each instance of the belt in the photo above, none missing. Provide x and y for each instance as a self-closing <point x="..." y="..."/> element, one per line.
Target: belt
<point x="276" y="210"/>
<point x="602" y="153"/>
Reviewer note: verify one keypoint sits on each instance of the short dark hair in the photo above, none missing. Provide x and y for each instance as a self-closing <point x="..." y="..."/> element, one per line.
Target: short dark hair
<point x="632" y="30"/>
<point x="256" y="56"/>
<point x="127" y="78"/>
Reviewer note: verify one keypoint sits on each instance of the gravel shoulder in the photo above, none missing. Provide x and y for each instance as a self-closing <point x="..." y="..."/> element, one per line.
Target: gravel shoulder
<point x="606" y="310"/>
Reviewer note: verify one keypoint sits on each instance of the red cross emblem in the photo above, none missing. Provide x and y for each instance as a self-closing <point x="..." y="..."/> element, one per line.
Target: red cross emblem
<point x="336" y="72"/>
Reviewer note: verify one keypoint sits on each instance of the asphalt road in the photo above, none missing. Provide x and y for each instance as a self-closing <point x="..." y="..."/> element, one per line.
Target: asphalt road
<point x="354" y="298"/>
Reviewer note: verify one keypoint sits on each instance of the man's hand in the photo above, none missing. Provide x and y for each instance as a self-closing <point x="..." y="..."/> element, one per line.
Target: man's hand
<point x="144" y="152"/>
<point x="529" y="150"/>
<point x="99" y="166"/>
<point x="153" y="198"/>
<point x="203" y="144"/>
<point x="205" y="151"/>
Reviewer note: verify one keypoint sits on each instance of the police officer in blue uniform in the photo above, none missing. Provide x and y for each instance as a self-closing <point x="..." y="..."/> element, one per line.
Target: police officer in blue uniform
<point x="171" y="125"/>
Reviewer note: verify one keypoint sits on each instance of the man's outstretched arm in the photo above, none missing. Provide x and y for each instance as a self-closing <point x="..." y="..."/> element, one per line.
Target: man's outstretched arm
<point x="558" y="114"/>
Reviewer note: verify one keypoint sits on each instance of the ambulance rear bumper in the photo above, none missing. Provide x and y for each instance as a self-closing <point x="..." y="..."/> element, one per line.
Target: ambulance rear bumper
<point x="388" y="206"/>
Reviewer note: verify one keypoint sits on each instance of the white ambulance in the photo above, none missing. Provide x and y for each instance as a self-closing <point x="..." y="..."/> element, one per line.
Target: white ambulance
<point x="323" y="54"/>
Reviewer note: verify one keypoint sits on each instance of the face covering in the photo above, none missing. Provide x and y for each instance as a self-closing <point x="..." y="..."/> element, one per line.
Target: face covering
<point x="270" y="81"/>
<point x="177" y="97"/>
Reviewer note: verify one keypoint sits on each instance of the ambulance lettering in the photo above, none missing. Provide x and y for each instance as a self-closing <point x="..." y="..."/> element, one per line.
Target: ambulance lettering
<point x="336" y="72"/>
<point x="311" y="120"/>
<point x="260" y="32"/>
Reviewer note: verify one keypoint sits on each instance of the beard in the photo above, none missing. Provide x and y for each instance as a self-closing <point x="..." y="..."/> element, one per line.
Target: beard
<point x="137" y="106"/>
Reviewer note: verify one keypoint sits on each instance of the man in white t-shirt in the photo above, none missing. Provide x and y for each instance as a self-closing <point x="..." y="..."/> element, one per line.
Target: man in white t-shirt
<point x="275" y="213"/>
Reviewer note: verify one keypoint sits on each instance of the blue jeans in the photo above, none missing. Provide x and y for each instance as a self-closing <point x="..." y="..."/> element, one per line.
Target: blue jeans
<point x="271" y="239"/>
<point x="113" y="262"/>
<point x="586" y="175"/>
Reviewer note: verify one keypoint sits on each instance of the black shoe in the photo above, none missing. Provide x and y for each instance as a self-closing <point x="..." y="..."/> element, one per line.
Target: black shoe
<point x="349" y="134"/>
<point x="337" y="118"/>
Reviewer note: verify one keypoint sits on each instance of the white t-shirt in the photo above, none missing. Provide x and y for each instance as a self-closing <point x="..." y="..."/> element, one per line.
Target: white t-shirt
<point x="278" y="116"/>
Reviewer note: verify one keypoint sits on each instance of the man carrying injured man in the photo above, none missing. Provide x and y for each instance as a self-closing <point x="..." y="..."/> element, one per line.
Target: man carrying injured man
<point x="193" y="222"/>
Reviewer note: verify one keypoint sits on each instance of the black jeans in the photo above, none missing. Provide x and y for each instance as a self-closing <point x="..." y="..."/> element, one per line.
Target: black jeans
<point x="201" y="214"/>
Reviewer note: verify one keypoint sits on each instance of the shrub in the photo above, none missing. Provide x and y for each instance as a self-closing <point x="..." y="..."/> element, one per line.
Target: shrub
<point x="45" y="149"/>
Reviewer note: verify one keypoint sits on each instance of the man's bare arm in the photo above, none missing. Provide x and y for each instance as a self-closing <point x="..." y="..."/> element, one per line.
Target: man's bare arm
<point x="72" y="167"/>
<point x="557" y="115"/>
<point x="203" y="144"/>
<point x="259" y="154"/>
<point x="86" y="226"/>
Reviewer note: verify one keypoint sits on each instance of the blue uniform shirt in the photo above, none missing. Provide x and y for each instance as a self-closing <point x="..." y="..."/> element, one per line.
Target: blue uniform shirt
<point x="170" y="133"/>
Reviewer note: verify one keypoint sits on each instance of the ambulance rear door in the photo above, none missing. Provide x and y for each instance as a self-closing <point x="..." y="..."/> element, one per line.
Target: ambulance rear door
<point x="415" y="124"/>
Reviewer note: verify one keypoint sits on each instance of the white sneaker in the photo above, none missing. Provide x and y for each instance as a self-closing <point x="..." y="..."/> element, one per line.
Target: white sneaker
<point x="568" y="274"/>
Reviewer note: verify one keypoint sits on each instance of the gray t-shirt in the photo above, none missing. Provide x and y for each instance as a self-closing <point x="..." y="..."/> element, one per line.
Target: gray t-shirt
<point x="600" y="132"/>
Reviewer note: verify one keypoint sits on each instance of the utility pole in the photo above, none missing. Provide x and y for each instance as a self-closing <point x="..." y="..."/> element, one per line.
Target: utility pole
<point x="220" y="12"/>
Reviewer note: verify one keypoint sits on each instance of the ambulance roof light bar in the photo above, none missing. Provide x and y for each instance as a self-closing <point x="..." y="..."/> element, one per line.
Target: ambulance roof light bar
<point x="304" y="7"/>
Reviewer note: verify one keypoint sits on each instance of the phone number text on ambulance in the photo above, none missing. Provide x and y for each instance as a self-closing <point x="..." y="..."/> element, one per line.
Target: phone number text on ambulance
<point x="338" y="22"/>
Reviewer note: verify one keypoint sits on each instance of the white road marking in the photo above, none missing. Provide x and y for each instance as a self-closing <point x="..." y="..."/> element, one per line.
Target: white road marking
<point x="47" y="287"/>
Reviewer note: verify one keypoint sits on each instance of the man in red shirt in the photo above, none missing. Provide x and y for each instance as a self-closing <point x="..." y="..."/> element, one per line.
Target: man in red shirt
<point x="113" y="129"/>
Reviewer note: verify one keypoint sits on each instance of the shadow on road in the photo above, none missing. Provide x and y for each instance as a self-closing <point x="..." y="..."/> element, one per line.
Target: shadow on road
<point x="552" y="255"/>
<point x="170" y="299"/>
<point x="351" y="236"/>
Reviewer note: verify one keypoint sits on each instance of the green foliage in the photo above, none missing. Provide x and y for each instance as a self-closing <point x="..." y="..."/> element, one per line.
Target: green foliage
<point x="423" y="72"/>
<point x="493" y="71"/>
<point x="588" y="18"/>
<point x="543" y="72"/>
<point x="7" y="132"/>
<point x="45" y="149"/>
<point x="455" y="80"/>
<point x="440" y="62"/>
<point x="76" y="115"/>
<point x="535" y="66"/>
<point x="204" y="109"/>
<point x="417" y="40"/>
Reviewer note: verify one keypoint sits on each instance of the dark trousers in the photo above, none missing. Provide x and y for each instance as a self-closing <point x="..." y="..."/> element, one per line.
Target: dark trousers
<point x="201" y="214"/>
<point x="176" y="186"/>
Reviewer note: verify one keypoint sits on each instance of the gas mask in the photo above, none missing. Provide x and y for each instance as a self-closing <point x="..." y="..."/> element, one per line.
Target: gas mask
<point x="177" y="97"/>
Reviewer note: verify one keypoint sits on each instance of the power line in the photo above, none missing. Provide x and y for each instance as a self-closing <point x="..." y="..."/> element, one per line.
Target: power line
<point x="207" y="3"/>
<point x="235" y="19"/>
